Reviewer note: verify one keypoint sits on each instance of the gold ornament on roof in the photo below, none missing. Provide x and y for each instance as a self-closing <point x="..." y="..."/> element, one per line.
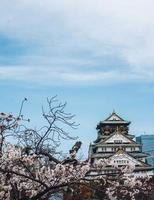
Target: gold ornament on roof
<point x="120" y="151"/>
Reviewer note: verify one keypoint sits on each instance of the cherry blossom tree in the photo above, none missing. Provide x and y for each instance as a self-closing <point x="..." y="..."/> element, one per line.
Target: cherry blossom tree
<point x="30" y="168"/>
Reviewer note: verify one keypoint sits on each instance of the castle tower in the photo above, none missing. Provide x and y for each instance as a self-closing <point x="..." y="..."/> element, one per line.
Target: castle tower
<point x="116" y="144"/>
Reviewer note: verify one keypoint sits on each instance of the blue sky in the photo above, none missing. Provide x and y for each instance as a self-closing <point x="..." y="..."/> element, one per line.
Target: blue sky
<point x="96" y="55"/>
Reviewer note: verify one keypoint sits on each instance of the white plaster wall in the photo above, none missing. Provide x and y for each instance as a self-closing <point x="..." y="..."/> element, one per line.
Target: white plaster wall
<point x="99" y="149"/>
<point x="128" y="149"/>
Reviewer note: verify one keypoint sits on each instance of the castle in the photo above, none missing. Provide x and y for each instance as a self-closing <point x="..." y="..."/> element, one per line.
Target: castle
<point x="115" y="144"/>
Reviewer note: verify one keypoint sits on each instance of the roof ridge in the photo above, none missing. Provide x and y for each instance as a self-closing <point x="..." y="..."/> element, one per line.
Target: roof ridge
<point x="114" y="113"/>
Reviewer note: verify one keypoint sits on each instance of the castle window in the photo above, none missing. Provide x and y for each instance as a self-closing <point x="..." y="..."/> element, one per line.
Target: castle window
<point x="121" y="161"/>
<point x="104" y="149"/>
<point x="113" y="149"/>
<point x="132" y="148"/>
<point x="118" y="141"/>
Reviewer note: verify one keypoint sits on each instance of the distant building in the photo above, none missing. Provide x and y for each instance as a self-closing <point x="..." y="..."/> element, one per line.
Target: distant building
<point x="116" y="144"/>
<point x="148" y="146"/>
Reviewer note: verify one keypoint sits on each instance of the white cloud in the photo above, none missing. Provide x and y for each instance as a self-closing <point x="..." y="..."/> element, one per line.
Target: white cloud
<point x="67" y="36"/>
<point x="58" y="76"/>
